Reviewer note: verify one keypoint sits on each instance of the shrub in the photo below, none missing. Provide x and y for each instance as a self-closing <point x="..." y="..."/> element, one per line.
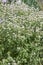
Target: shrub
<point x="21" y="35"/>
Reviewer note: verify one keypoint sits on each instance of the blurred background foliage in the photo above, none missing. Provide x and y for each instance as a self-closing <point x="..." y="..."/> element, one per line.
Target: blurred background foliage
<point x="31" y="3"/>
<point x="35" y="3"/>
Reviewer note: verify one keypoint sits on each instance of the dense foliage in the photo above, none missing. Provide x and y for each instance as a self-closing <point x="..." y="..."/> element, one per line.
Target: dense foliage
<point x="32" y="3"/>
<point x="28" y="2"/>
<point x="21" y="35"/>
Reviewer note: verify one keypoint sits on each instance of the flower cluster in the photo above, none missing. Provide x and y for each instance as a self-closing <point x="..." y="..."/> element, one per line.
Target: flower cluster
<point x="21" y="35"/>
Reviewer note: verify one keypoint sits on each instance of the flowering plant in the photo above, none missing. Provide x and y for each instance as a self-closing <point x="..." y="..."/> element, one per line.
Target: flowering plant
<point x="21" y="35"/>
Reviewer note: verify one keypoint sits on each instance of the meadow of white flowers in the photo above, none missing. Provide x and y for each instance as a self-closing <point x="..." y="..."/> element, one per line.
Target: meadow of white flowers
<point x="21" y="35"/>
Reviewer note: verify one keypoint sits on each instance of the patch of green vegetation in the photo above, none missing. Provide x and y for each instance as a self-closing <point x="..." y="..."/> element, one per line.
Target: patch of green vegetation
<point x="21" y="35"/>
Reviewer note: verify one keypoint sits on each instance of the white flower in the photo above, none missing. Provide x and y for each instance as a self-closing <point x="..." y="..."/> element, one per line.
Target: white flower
<point x="22" y="26"/>
<point x="18" y="2"/>
<point x="34" y="53"/>
<point x="18" y="48"/>
<point x="8" y="63"/>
